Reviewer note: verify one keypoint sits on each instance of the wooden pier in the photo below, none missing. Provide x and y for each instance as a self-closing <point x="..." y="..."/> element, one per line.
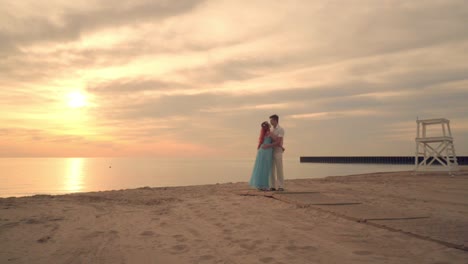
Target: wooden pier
<point x="462" y="160"/>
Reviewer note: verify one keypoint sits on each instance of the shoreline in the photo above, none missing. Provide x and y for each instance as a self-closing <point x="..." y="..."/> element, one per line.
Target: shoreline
<point x="386" y="217"/>
<point x="65" y="176"/>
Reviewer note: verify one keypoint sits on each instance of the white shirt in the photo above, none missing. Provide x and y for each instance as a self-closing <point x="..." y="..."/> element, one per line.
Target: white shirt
<point x="279" y="132"/>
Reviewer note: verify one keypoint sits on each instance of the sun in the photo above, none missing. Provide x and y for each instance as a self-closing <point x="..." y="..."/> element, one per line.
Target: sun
<point x="76" y="100"/>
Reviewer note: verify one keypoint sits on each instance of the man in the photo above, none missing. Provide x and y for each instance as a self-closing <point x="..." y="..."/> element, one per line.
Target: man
<point x="276" y="176"/>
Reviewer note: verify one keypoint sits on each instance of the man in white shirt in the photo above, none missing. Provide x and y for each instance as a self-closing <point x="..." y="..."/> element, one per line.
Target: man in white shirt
<point x="276" y="176"/>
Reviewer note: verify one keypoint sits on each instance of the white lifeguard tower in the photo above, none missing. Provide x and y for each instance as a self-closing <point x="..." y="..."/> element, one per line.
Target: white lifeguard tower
<point x="435" y="150"/>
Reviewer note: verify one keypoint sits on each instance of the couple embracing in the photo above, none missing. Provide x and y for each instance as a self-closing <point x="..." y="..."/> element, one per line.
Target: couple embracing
<point x="268" y="169"/>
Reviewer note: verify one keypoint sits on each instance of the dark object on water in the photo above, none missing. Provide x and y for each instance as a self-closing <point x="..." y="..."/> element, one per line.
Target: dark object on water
<point x="462" y="160"/>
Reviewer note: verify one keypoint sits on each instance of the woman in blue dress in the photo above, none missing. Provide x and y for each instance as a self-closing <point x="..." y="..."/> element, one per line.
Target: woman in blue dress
<point x="262" y="167"/>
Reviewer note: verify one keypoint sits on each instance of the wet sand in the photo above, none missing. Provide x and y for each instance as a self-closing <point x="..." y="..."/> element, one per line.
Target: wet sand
<point x="392" y="217"/>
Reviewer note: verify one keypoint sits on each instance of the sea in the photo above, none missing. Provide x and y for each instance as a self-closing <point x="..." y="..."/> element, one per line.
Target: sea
<point x="31" y="176"/>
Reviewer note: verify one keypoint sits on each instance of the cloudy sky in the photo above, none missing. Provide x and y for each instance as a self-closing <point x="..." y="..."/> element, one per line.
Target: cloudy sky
<point x="195" y="78"/>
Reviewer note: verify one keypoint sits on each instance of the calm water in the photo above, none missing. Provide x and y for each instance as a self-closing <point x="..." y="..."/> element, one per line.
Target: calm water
<point x="29" y="176"/>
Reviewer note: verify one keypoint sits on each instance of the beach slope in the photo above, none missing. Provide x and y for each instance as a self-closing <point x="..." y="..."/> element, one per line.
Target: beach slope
<point x="393" y="217"/>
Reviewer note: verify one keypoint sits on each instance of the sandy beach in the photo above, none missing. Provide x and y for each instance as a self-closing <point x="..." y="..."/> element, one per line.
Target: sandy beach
<point x="393" y="217"/>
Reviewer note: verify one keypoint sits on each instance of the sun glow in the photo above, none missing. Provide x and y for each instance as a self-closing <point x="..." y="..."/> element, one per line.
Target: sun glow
<point x="76" y="100"/>
<point x="74" y="178"/>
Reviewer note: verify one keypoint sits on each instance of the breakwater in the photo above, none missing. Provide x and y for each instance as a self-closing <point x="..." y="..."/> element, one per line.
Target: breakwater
<point x="462" y="160"/>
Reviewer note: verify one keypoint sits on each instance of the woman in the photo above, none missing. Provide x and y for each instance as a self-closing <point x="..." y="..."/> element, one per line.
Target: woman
<point x="262" y="168"/>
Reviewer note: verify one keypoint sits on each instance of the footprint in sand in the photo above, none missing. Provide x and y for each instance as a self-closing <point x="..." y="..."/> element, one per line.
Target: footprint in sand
<point x="179" y="248"/>
<point x="147" y="233"/>
<point x="33" y="221"/>
<point x="246" y="246"/>
<point x="194" y="232"/>
<point x="291" y="248"/>
<point x="242" y="240"/>
<point x="242" y="226"/>
<point x="94" y="234"/>
<point x="205" y="258"/>
<point x="10" y="225"/>
<point x="43" y="239"/>
<point x="309" y="248"/>
<point x="304" y="248"/>
<point x="272" y="247"/>
<point x="219" y="225"/>
<point x="180" y="238"/>
<point x="362" y="252"/>
<point x="53" y="227"/>
<point x="198" y="212"/>
<point x="251" y="245"/>
<point x="267" y="260"/>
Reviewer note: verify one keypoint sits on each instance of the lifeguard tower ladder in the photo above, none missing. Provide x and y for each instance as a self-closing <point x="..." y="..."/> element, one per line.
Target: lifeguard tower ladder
<point x="438" y="148"/>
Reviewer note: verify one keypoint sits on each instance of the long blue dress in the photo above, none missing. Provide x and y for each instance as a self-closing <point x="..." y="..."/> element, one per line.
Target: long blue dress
<point x="262" y="167"/>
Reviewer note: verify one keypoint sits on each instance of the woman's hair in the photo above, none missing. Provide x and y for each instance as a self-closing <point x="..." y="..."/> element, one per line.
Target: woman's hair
<point x="265" y="127"/>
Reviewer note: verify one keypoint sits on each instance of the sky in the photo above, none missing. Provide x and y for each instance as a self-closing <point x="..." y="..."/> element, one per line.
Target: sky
<point x="196" y="78"/>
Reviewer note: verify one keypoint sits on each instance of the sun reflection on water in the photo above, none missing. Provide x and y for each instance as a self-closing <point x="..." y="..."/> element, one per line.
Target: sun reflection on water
<point x="74" y="176"/>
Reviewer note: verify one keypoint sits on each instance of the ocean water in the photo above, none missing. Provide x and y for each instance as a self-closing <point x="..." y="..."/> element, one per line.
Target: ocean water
<point x="31" y="176"/>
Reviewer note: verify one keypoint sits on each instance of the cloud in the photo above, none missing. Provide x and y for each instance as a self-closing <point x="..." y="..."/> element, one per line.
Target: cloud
<point x="71" y="21"/>
<point x="333" y="115"/>
<point x="132" y="86"/>
<point x="357" y="28"/>
<point x="200" y="74"/>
